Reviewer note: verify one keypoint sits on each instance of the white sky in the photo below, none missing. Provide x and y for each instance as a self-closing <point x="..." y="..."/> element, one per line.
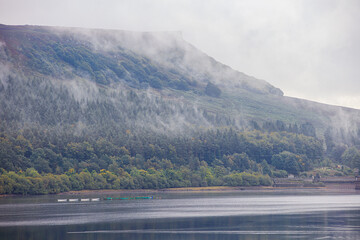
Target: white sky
<point x="308" y="48"/>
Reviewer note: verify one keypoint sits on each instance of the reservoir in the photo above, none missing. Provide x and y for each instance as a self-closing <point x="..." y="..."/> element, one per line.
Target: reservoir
<point x="265" y="214"/>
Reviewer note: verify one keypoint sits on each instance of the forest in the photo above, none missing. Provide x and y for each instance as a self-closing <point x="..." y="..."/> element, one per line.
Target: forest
<point x="51" y="141"/>
<point x="31" y="164"/>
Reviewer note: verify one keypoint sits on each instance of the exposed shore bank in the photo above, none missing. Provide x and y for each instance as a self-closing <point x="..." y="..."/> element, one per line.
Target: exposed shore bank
<point x="336" y="187"/>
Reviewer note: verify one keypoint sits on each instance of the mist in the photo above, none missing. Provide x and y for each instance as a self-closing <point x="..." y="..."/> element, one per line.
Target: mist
<point x="308" y="49"/>
<point x="165" y="109"/>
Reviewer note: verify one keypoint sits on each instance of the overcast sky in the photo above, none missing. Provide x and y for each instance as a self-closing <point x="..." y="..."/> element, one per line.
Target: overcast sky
<point x="308" y="48"/>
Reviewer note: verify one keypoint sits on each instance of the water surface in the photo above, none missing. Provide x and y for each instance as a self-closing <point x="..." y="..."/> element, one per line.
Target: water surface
<point x="211" y="215"/>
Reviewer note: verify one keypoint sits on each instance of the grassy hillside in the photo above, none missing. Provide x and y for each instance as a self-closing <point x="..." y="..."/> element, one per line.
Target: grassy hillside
<point x="160" y="61"/>
<point x="76" y="101"/>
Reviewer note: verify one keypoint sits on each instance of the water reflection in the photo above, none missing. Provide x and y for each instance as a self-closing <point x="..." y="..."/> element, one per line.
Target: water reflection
<point x="201" y="216"/>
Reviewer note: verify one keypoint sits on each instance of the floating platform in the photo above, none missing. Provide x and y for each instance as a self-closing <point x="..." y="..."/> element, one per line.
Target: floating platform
<point x="77" y="200"/>
<point x="106" y="198"/>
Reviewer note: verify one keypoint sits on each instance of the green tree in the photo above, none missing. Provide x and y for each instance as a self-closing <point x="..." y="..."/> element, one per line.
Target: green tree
<point x="288" y="161"/>
<point x="351" y="157"/>
<point x="241" y="162"/>
<point x="233" y="179"/>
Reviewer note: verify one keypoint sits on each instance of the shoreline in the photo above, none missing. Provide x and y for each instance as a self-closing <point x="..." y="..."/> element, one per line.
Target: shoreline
<point x="341" y="188"/>
<point x="329" y="187"/>
<point x="164" y="190"/>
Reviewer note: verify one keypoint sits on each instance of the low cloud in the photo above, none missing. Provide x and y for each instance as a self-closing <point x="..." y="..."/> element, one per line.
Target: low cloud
<point x="307" y="48"/>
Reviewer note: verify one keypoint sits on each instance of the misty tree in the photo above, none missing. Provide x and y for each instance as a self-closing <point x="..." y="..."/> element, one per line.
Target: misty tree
<point x="212" y="90"/>
<point x="351" y="157"/>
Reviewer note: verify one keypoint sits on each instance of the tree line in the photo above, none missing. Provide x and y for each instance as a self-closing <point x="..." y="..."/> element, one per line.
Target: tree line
<point x="40" y="162"/>
<point x="56" y="153"/>
<point x="31" y="182"/>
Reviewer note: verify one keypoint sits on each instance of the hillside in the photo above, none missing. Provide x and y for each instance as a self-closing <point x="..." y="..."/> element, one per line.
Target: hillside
<point x="87" y="100"/>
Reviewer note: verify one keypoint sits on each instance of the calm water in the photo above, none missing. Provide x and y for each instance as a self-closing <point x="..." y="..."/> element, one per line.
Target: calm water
<point x="235" y="215"/>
